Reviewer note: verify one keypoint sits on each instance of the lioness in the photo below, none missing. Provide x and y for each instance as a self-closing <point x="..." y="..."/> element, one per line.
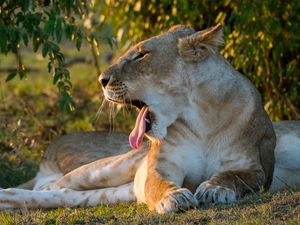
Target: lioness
<point x="210" y="140"/>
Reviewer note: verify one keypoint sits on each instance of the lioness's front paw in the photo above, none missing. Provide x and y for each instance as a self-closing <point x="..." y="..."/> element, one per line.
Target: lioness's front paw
<point x="209" y="193"/>
<point x="175" y="200"/>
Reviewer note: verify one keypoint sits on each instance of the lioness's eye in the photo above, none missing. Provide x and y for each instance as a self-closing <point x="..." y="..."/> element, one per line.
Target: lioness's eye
<point x="140" y="55"/>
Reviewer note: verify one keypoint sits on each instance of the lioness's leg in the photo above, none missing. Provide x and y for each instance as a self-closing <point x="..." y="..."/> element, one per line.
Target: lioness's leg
<point x="162" y="187"/>
<point x="14" y="198"/>
<point x="228" y="186"/>
<point x="108" y="172"/>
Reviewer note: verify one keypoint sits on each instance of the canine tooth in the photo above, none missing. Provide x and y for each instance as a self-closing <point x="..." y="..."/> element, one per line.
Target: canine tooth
<point x="147" y="120"/>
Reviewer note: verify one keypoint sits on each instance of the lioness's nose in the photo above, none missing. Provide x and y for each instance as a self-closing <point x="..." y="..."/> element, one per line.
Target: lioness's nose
<point x="104" y="79"/>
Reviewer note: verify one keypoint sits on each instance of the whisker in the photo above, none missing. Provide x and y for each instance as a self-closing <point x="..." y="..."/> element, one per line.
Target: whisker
<point x="113" y="115"/>
<point x="119" y="93"/>
<point x="115" y="108"/>
<point x="126" y="105"/>
<point x="100" y="110"/>
<point x="110" y="116"/>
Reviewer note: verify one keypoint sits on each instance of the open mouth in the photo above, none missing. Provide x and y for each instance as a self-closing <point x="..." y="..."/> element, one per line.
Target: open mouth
<point x="143" y="121"/>
<point x="149" y="117"/>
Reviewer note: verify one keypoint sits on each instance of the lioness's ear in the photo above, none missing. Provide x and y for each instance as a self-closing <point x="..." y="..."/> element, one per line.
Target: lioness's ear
<point x="201" y="44"/>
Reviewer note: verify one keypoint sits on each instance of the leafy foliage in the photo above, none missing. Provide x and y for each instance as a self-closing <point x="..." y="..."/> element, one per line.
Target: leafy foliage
<point x="263" y="39"/>
<point x="42" y="25"/>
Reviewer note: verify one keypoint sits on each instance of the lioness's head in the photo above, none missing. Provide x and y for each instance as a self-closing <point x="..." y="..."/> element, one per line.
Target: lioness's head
<point x="153" y="76"/>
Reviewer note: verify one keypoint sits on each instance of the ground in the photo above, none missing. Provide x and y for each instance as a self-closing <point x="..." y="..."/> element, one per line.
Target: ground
<point x="30" y="119"/>
<point x="282" y="208"/>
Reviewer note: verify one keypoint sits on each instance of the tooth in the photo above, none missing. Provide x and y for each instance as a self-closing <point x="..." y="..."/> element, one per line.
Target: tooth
<point x="147" y="120"/>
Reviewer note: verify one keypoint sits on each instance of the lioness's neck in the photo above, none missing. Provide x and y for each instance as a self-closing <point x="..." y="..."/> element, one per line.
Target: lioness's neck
<point x="214" y="71"/>
<point x="215" y="88"/>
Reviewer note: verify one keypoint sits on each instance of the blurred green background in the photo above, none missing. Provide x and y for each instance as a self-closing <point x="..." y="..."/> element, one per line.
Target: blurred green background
<point x="262" y="42"/>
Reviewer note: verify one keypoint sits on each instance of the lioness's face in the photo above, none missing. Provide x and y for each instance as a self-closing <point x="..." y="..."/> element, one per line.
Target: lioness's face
<point x="151" y="76"/>
<point x="148" y="75"/>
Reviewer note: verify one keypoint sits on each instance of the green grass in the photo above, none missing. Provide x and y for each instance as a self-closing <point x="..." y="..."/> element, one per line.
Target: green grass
<point x="30" y="119"/>
<point x="283" y="208"/>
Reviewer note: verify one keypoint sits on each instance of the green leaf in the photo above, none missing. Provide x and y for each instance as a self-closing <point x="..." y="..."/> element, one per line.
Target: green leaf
<point x="70" y="106"/>
<point x="60" y="58"/>
<point x="66" y="73"/>
<point x="55" y="49"/>
<point x="19" y="18"/>
<point x="79" y="40"/>
<point x="58" y="29"/>
<point x="57" y="76"/>
<point x="69" y="4"/>
<point x="112" y="42"/>
<point x="69" y="29"/>
<point x="3" y="39"/>
<point x="11" y="75"/>
<point x="22" y="74"/>
<point x="36" y="41"/>
<point x="10" y="4"/>
<point x="13" y="34"/>
<point x="49" y="26"/>
<point x="67" y="102"/>
<point x="78" y="43"/>
<point x="60" y="85"/>
<point x="109" y="42"/>
<point x="45" y="49"/>
<point x="25" y="38"/>
<point x="294" y="93"/>
<point x="49" y="67"/>
<point x="24" y="5"/>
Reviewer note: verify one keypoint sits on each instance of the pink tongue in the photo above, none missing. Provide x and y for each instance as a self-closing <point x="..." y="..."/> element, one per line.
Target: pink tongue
<point x="136" y="135"/>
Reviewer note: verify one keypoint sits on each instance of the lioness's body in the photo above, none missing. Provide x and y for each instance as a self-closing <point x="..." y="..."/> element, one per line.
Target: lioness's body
<point x="95" y="145"/>
<point x="78" y="149"/>
<point x="211" y="140"/>
<point x="287" y="152"/>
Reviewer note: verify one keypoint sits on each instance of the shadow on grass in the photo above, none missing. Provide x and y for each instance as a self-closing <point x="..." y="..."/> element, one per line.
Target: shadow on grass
<point x="14" y="171"/>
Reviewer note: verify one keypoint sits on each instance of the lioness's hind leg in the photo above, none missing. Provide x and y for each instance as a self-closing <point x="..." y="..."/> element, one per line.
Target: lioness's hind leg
<point x="14" y="198"/>
<point x="108" y="172"/>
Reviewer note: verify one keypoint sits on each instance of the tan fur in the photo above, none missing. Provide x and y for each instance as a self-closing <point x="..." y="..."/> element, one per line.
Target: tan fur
<point x="74" y="150"/>
<point x="211" y="140"/>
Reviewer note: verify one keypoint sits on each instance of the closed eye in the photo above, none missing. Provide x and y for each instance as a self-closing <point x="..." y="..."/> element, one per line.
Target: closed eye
<point x="140" y="56"/>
